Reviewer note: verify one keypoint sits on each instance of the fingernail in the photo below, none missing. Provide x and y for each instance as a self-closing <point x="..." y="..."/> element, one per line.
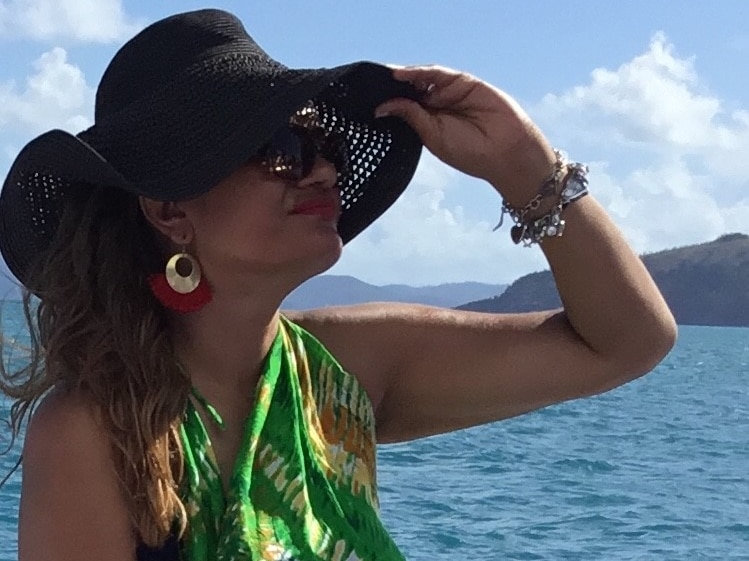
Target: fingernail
<point x="381" y="112"/>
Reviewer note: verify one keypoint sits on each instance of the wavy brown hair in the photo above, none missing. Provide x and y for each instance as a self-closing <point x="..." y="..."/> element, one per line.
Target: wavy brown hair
<point x="96" y="328"/>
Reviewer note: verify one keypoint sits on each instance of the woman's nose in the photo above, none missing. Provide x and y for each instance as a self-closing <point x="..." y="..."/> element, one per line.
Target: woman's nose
<point x="322" y="175"/>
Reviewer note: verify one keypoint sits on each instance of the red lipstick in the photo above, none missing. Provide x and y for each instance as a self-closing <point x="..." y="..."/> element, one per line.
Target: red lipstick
<point x="325" y="207"/>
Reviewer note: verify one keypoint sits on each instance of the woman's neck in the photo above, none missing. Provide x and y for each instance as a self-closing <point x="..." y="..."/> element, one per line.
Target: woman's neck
<point x="223" y="346"/>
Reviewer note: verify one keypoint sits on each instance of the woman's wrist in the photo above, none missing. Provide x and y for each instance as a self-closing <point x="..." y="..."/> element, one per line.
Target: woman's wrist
<point x="541" y="216"/>
<point x="523" y="170"/>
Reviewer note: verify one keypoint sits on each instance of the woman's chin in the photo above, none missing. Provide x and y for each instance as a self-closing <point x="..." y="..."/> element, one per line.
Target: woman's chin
<point x="331" y="256"/>
<point x="319" y="255"/>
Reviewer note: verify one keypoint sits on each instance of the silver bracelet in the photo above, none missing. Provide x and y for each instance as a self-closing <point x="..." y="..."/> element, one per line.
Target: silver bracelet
<point x="548" y="188"/>
<point x="570" y="180"/>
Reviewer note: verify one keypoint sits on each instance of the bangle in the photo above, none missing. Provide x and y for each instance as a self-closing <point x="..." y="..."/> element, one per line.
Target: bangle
<point x="570" y="181"/>
<point x="548" y="188"/>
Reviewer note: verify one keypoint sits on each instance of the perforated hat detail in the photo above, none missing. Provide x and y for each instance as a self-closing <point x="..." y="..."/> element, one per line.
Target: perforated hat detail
<point x="184" y="104"/>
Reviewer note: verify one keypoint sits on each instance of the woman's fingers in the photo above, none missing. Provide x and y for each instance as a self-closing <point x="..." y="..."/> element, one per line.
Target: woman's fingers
<point x="442" y="87"/>
<point x="413" y="113"/>
<point x="431" y="74"/>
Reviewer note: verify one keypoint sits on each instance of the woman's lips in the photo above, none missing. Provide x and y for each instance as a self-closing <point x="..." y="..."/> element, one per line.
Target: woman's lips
<point x="324" y="207"/>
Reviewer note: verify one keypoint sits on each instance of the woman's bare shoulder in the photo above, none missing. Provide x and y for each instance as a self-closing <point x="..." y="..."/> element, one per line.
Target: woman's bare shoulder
<point x="64" y="424"/>
<point x="61" y="420"/>
<point x="357" y="335"/>
<point x="72" y="506"/>
<point x="62" y="405"/>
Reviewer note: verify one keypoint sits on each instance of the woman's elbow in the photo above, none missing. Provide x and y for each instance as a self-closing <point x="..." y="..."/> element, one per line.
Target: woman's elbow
<point x="651" y="345"/>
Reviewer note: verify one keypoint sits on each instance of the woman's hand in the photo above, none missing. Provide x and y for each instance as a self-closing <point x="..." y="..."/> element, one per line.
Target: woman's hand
<point x="475" y="128"/>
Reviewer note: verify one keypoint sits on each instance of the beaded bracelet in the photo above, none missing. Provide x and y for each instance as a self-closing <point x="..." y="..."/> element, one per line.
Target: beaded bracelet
<point x="570" y="182"/>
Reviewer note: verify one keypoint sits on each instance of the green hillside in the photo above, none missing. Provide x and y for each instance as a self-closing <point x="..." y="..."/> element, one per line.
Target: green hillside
<point x="705" y="284"/>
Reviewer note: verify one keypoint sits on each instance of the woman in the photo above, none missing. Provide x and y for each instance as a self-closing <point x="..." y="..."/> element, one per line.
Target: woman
<point x="185" y="415"/>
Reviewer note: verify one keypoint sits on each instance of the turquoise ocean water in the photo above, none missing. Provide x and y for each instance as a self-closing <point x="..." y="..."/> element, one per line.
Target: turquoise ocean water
<point x="655" y="470"/>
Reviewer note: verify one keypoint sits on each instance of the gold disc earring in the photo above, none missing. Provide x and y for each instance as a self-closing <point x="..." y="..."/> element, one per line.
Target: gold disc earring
<point x="183" y="272"/>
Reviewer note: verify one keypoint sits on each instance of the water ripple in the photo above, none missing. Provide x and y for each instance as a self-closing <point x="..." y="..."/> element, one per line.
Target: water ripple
<point x="654" y="471"/>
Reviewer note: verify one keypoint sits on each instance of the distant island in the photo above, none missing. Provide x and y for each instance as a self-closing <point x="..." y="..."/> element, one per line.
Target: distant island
<point x="341" y="290"/>
<point x="704" y="284"/>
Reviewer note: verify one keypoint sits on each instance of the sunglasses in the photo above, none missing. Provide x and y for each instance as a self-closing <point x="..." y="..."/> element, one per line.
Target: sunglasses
<point x="293" y="150"/>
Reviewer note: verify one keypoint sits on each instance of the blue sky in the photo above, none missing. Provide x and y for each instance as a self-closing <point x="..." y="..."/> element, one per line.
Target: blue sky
<point x="653" y="95"/>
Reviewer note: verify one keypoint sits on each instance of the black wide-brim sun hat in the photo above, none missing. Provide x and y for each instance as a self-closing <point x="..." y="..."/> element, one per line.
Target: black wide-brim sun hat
<point x="184" y="104"/>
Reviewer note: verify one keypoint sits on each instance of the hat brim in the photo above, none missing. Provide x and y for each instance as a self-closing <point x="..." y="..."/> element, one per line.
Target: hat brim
<point x="384" y="152"/>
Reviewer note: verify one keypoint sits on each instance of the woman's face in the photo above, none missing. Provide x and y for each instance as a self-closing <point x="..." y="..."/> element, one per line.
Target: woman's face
<point x="254" y="222"/>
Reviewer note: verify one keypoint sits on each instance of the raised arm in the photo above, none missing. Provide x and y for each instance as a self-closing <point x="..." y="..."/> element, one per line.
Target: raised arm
<point x="432" y="371"/>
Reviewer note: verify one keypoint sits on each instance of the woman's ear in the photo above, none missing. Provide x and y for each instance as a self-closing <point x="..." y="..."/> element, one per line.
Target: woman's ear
<point x="168" y="219"/>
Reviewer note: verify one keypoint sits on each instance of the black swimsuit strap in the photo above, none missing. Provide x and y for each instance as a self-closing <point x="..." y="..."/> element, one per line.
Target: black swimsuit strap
<point x="169" y="552"/>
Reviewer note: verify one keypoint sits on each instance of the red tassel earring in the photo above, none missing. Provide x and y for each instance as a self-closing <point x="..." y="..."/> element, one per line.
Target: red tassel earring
<point x="181" y="287"/>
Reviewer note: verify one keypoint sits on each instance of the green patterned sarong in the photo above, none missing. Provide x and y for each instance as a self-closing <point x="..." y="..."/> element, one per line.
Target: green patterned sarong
<point x="303" y="486"/>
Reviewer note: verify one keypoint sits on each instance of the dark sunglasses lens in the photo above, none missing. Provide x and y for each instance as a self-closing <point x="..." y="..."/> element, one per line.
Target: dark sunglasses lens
<point x="292" y="152"/>
<point x="283" y="155"/>
<point x="336" y="152"/>
<point x="308" y="152"/>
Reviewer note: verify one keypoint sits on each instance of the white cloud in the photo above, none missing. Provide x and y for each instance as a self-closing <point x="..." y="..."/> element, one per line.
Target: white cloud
<point x="55" y="96"/>
<point x="82" y="20"/>
<point x="422" y="240"/>
<point x="670" y="163"/>
<point x="673" y="166"/>
<point x="652" y="98"/>
<point x="657" y="104"/>
<point x="660" y="207"/>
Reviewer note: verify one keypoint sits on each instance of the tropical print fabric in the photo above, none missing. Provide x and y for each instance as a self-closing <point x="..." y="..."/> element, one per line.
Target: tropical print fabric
<point x="303" y="487"/>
